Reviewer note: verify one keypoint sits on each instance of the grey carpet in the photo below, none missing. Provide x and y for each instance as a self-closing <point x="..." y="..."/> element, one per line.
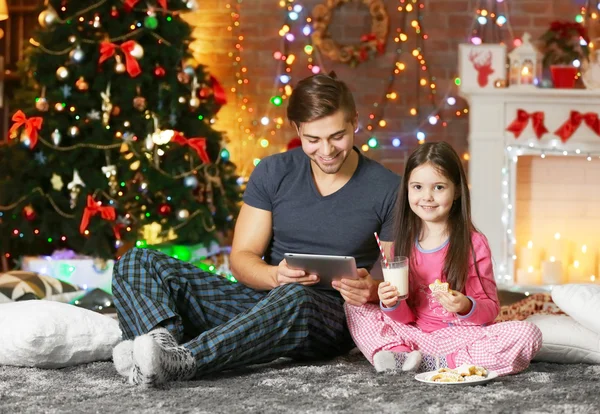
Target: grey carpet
<point x="347" y="384"/>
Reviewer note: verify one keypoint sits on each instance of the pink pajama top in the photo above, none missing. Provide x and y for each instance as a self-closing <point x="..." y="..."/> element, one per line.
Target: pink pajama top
<point x="423" y="309"/>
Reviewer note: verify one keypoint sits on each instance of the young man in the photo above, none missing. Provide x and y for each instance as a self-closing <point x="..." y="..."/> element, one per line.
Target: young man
<point x="322" y="198"/>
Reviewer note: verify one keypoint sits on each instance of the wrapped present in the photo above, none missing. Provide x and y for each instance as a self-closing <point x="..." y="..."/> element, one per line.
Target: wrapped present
<point x="188" y="253"/>
<point x="84" y="271"/>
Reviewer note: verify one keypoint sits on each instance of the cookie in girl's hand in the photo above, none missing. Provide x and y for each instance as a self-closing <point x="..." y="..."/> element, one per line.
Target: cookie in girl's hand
<point x="438" y="286"/>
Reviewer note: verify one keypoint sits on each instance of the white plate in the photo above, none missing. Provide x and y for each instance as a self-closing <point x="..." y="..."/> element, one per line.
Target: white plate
<point x="424" y="377"/>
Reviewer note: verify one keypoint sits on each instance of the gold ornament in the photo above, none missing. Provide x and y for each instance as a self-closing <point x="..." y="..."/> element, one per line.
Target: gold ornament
<point x="81" y="84"/>
<point x="72" y="39"/>
<point x="182" y="99"/>
<point x="183" y="77"/>
<point x="110" y="171"/>
<point x="62" y="73"/>
<point x="139" y="103"/>
<point x="183" y="214"/>
<point x="107" y="106"/>
<point x="500" y="83"/>
<point x="119" y="67"/>
<point x="73" y="131"/>
<point x="57" y="182"/>
<point x="59" y="107"/>
<point x="96" y="24"/>
<point x="41" y="104"/>
<point x="194" y="102"/>
<point x="47" y="18"/>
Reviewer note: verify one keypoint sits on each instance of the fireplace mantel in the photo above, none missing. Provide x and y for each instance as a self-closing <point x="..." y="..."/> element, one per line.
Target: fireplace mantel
<point x="494" y="152"/>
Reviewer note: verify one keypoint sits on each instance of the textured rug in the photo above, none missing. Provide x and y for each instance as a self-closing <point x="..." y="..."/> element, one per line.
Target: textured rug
<point x="347" y="384"/>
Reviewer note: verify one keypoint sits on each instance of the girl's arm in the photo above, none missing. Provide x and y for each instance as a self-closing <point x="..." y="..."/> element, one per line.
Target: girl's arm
<point x="481" y="290"/>
<point x="400" y="313"/>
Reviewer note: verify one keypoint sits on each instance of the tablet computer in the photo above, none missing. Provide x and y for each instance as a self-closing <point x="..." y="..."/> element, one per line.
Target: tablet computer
<point x="327" y="267"/>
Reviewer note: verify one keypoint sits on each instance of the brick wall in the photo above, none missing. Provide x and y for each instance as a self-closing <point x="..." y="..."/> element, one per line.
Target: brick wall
<point x="446" y="21"/>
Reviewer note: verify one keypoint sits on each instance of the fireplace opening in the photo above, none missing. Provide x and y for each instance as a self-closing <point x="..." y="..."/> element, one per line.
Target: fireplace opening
<point x="557" y="220"/>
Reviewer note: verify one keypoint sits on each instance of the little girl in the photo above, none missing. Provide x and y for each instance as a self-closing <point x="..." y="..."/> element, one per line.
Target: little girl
<point x="442" y="329"/>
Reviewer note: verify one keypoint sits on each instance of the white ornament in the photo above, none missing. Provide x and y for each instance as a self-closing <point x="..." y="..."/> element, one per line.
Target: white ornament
<point x="77" y="181"/>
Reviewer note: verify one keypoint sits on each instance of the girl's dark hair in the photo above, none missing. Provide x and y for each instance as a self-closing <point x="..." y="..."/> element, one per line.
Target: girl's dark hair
<point x="319" y="96"/>
<point x="408" y="225"/>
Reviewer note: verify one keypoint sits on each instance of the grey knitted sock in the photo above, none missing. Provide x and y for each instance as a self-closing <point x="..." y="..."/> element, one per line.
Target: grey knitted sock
<point x="432" y="363"/>
<point x="123" y="357"/>
<point x="154" y="365"/>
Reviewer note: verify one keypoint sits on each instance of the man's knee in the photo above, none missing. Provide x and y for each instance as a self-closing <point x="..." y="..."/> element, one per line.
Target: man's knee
<point x="296" y="293"/>
<point x="125" y="267"/>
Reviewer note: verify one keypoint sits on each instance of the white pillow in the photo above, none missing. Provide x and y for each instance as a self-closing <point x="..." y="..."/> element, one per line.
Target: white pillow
<point x="565" y="341"/>
<point x="581" y="302"/>
<point x="44" y="334"/>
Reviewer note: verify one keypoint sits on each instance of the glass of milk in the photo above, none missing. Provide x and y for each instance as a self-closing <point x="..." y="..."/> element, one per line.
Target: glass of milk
<point x="397" y="274"/>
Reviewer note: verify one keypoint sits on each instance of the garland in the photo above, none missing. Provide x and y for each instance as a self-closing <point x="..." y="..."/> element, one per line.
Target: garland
<point x="371" y="44"/>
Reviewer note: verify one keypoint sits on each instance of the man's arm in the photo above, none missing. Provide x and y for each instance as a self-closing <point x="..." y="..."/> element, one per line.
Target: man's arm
<point x="358" y="292"/>
<point x="252" y="234"/>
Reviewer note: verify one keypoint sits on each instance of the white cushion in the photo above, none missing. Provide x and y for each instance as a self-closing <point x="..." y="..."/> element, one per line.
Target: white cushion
<point x="566" y="341"/>
<point x="581" y="302"/>
<point x="46" y="334"/>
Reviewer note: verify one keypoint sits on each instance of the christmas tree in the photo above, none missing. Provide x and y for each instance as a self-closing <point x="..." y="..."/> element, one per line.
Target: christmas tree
<point x="118" y="143"/>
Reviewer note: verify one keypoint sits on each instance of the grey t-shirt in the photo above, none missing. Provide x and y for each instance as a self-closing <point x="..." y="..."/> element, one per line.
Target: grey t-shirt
<point x="341" y="223"/>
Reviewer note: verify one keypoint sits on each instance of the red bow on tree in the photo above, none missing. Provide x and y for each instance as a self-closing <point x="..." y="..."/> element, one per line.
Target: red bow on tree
<point x="537" y="121"/>
<point x="108" y="49"/>
<point x="570" y="126"/>
<point x="32" y="126"/>
<point x="197" y="144"/>
<point x="130" y="4"/>
<point x="93" y="208"/>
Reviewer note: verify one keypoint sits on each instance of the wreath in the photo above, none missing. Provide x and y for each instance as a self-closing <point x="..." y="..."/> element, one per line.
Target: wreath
<point x="371" y="44"/>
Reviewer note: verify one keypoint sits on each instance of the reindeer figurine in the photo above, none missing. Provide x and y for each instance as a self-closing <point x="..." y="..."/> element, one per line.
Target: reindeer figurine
<point x="482" y="62"/>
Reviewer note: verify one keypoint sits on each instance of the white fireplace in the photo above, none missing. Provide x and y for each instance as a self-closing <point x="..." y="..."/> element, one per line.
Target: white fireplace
<point x="537" y="199"/>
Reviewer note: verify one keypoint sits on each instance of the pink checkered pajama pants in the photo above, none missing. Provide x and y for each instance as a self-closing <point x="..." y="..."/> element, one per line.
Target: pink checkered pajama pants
<point x="506" y="347"/>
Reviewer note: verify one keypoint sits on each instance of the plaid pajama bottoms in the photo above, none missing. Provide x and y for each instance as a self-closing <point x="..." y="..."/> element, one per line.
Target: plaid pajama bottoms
<point x="226" y="325"/>
<point x="506" y="347"/>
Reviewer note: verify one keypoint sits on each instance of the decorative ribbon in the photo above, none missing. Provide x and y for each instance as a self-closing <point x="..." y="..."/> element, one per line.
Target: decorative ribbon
<point x="197" y="144"/>
<point x="537" y="120"/>
<point x="575" y="118"/>
<point x="93" y="208"/>
<point x="130" y="4"/>
<point x="218" y="91"/>
<point x="108" y="49"/>
<point x="32" y="126"/>
<point x="378" y="43"/>
<point x="117" y="230"/>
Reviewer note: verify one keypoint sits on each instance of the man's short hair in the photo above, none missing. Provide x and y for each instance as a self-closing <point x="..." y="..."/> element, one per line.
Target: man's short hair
<point x="319" y="96"/>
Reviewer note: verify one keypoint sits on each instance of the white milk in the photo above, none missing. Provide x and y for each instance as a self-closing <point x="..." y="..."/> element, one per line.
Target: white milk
<point x="397" y="277"/>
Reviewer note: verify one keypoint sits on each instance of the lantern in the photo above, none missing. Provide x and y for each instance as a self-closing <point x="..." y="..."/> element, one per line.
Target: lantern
<point x="525" y="64"/>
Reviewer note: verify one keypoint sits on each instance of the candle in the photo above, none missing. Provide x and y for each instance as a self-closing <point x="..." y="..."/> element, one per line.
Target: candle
<point x="552" y="272"/>
<point x="556" y="250"/>
<point x="529" y="257"/>
<point x="577" y="274"/>
<point x="528" y="277"/>
<point x="526" y="76"/>
<point x="587" y="260"/>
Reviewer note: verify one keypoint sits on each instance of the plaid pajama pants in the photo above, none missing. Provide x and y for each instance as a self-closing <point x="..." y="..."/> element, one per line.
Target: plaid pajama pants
<point x="506" y="347"/>
<point x="226" y="325"/>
